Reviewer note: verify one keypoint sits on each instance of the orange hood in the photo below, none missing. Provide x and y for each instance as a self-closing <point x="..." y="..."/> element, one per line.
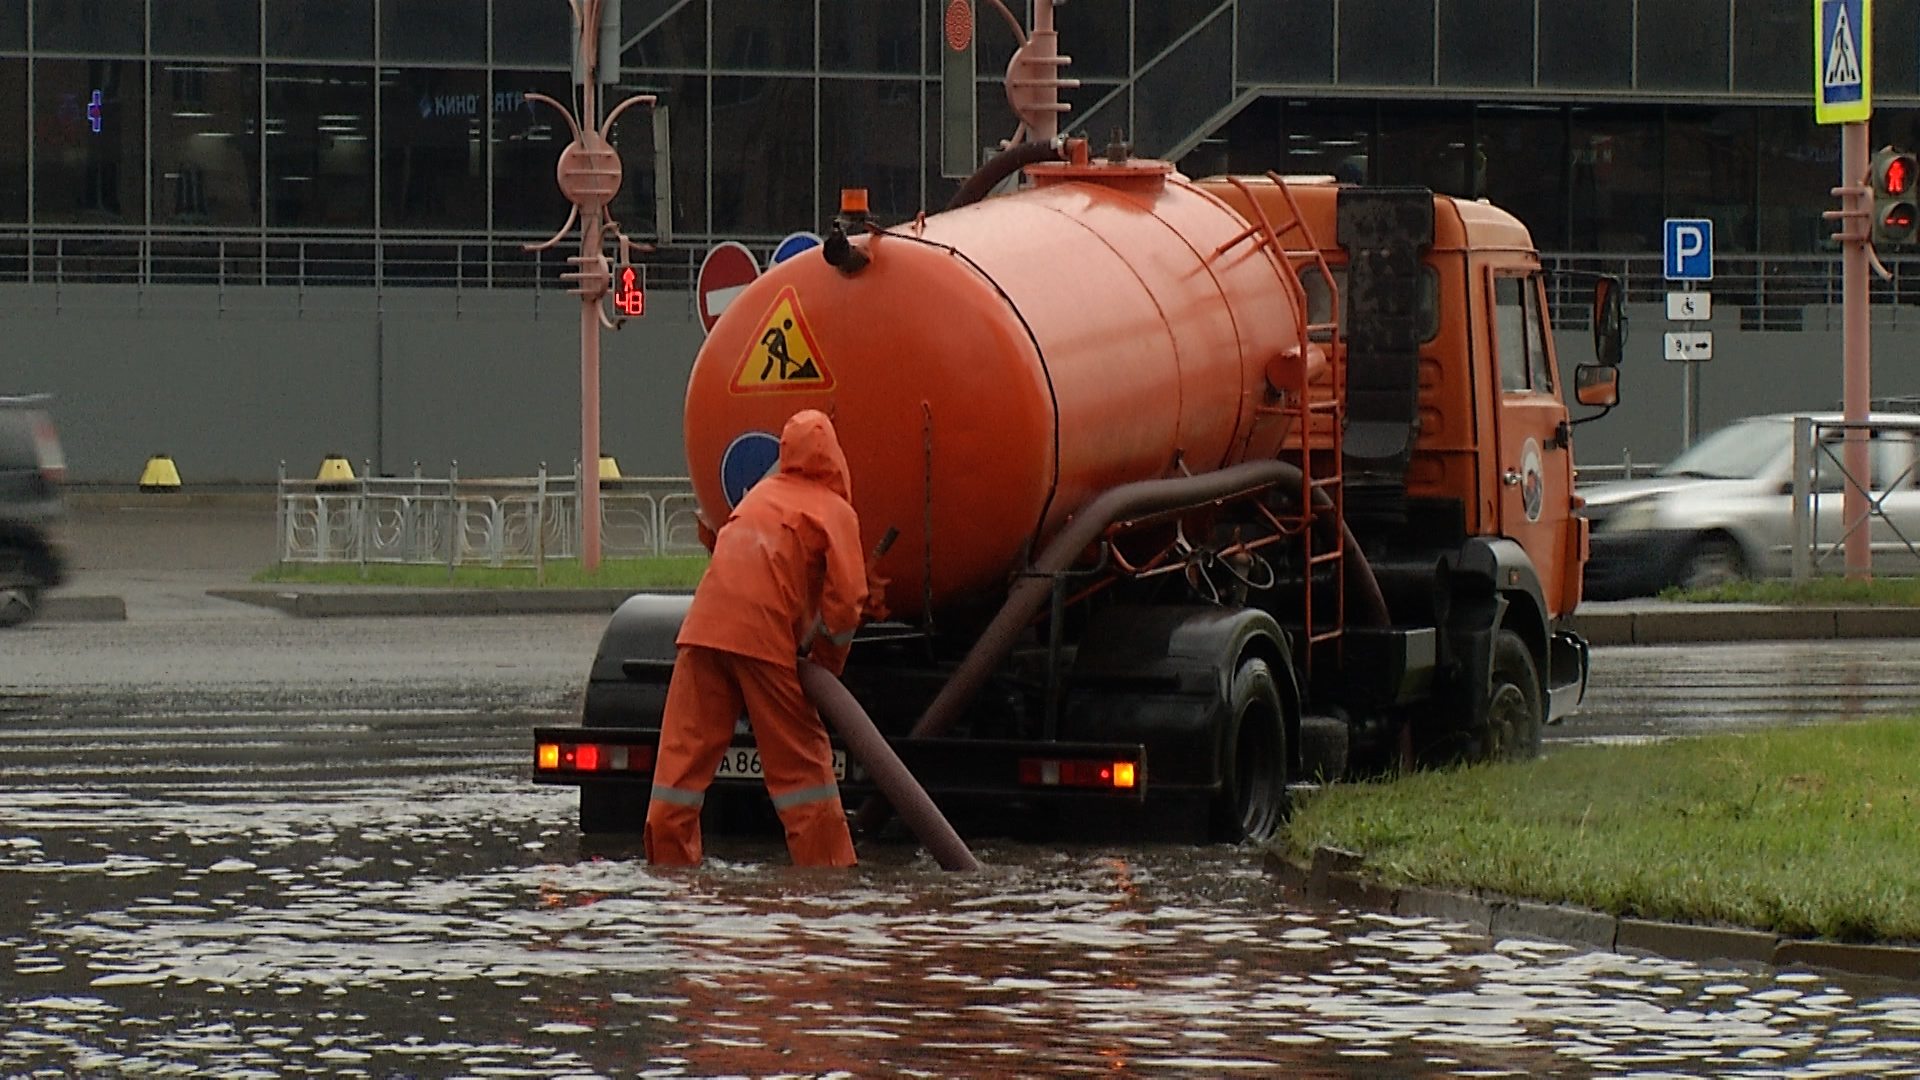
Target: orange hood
<point x="810" y="449"/>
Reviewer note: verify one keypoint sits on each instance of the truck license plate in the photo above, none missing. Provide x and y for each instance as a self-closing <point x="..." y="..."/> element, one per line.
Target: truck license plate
<point x="743" y="763"/>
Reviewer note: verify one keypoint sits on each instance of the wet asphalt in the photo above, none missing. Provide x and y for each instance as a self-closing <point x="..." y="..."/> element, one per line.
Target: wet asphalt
<point x="238" y="844"/>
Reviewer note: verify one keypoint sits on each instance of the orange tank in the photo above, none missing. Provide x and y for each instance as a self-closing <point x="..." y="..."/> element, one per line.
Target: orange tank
<point x="995" y="367"/>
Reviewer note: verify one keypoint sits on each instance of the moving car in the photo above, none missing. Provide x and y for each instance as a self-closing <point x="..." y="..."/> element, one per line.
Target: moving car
<point x="31" y="472"/>
<point x="1723" y="510"/>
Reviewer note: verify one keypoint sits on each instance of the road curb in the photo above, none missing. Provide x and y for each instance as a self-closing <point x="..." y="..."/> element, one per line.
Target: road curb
<point x="1335" y="880"/>
<point x="1706" y="623"/>
<point x="82" y="609"/>
<point x="441" y="602"/>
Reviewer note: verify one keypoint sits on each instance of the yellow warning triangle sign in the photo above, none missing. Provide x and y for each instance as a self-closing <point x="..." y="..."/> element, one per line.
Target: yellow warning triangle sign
<point x="783" y="356"/>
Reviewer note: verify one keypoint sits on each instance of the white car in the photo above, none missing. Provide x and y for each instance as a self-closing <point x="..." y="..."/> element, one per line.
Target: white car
<point x="1724" y="510"/>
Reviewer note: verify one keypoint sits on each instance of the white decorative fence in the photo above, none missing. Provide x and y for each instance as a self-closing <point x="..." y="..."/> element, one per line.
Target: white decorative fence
<point x="513" y="521"/>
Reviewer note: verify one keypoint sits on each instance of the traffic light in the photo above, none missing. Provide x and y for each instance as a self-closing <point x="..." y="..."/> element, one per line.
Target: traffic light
<point x="1896" y="216"/>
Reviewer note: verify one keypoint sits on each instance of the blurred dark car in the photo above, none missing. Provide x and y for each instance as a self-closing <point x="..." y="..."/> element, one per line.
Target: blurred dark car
<point x="1723" y="511"/>
<point x="31" y="472"/>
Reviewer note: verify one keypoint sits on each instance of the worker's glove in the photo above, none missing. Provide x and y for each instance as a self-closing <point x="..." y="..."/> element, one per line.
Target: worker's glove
<point x="874" y="607"/>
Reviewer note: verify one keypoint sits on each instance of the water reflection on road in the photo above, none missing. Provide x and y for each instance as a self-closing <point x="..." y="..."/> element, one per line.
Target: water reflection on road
<point x="449" y="925"/>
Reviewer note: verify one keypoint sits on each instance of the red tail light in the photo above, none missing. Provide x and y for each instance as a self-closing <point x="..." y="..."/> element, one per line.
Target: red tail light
<point x="592" y="757"/>
<point x="46" y="446"/>
<point x="1046" y="772"/>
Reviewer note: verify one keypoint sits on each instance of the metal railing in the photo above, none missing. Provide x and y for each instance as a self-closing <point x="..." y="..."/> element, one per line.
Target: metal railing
<point x="515" y="521"/>
<point x="1786" y="293"/>
<point x="1626" y="470"/>
<point x="1818" y="445"/>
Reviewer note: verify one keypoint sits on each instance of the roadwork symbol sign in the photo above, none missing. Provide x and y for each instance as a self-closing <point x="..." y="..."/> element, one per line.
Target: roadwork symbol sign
<point x="1842" y="61"/>
<point x="784" y="356"/>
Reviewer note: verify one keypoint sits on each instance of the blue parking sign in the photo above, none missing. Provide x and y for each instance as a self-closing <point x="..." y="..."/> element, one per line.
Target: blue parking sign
<point x="1689" y="249"/>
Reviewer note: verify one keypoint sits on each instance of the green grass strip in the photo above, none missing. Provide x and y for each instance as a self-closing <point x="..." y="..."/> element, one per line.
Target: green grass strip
<point x="670" y="572"/>
<point x="1809" y="832"/>
<point x="1888" y="592"/>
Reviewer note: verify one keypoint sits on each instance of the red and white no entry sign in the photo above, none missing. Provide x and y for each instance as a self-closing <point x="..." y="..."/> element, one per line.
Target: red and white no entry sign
<point x="729" y="268"/>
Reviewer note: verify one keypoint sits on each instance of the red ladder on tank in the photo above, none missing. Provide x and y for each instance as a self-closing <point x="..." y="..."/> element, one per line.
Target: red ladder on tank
<point x="1298" y="406"/>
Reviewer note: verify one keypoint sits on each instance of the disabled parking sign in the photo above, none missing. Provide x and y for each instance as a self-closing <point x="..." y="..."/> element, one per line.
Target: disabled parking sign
<point x="1842" y="61"/>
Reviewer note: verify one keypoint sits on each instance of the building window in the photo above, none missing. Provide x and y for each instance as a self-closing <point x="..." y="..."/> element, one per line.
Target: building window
<point x="333" y="30"/>
<point x="527" y="139"/>
<point x="444" y="30"/>
<point x="433" y="130"/>
<point x="319" y="147"/>
<point x="206" y="143"/>
<point x="13" y="140"/>
<point x="99" y="27"/>
<point x="89" y="141"/>
<point x="207" y="28"/>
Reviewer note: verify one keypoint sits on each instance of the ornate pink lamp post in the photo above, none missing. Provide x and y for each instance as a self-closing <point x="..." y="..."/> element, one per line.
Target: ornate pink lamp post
<point x="589" y="175"/>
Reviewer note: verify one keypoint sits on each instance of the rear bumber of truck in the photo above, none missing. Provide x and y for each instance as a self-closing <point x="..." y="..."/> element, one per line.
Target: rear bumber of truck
<point x="950" y="769"/>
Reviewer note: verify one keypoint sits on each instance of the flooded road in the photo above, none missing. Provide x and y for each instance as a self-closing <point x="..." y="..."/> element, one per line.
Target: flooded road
<point x="256" y="847"/>
<point x="380" y="894"/>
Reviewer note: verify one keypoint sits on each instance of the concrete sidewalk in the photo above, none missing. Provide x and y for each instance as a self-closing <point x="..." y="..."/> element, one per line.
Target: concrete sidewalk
<point x="132" y="549"/>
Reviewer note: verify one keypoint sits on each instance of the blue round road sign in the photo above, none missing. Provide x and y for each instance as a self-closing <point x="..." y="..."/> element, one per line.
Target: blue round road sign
<point x="794" y="245"/>
<point x="749" y="457"/>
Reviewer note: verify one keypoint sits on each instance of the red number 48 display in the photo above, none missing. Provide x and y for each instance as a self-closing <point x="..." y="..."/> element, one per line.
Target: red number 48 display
<point x="629" y="293"/>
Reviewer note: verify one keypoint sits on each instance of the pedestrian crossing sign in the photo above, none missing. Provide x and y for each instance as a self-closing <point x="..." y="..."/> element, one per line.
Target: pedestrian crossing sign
<point x="1842" y="61"/>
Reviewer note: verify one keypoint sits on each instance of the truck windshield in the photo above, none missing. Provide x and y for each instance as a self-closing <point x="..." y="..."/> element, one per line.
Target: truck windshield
<point x="1738" y="452"/>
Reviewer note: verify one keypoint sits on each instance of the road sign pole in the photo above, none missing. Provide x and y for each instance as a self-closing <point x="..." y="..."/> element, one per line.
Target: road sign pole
<point x="1857" y="346"/>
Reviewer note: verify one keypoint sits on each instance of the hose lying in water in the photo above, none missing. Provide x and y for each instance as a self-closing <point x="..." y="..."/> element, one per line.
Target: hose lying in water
<point x="889" y="774"/>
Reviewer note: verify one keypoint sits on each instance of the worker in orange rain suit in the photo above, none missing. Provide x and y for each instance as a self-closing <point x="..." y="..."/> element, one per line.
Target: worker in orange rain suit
<point x="786" y="578"/>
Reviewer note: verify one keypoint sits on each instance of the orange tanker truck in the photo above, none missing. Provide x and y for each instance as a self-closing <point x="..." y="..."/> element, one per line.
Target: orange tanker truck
<point x="1200" y="488"/>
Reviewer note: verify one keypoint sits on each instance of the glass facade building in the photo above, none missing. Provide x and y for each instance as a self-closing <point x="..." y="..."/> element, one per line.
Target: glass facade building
<point x="392" y="141"/>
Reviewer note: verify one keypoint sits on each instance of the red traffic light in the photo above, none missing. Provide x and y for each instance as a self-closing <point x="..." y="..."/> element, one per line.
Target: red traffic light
<point x="629" y="295"/>
<point x="1899" y="179"/>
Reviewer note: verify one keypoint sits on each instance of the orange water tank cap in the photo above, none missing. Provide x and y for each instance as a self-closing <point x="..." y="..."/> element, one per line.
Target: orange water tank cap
<point x="853" y="200"/>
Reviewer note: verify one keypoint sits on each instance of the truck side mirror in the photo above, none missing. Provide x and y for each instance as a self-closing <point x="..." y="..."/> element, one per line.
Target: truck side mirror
<point x="1609" y="321"/>
<point x="1597" y="385"/>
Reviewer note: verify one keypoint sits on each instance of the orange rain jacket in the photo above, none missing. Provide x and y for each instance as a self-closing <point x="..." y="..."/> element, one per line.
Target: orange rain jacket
<point x="787" y="570"/>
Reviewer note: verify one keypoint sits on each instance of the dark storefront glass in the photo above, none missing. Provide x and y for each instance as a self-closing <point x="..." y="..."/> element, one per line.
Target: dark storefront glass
<point x="527" y="139"/>
<point x="1486" y="43"/>
<point x="1286" y="41"/>
<point x="89" y="162"/>
<point x="1586" y="44"/>
<point x="334" y="30"/>
<point x="1615" y="158"/>
<point x="869" y="138"/>
<point x="1521" y="167"/>
<point x="13" y="139"/>
<point x="1330" y="138"/>
<point x="770" y="190"/>
<point x="206" y="143"/>
<point x="679" y="42"/>
<point x="1096" y="36"/>
<point x="96" y="27"/>
<point x="1157" y="24"/>
<point x="1256" y="138"/>
<point x="1798" y="162"/>
<point x="433" y="165"/>
<point x="1771" y="46"/>
<point x="1896" y="46"/>
<point x="874" y="35"/>
<point x="1383" y="43"/>
<point x="1683" y="45"/>
<point x="13" y="25"/>
<point x="534" y="32"/>
<point x="319" y="147"/>
<point x="685" y="99"/>
<point x="1710" y="172"/>
<point x="446" y="31"/>
<point x="763" y="37"/>
<point x="1425" y="145"/>
<point x="207" y="28"/>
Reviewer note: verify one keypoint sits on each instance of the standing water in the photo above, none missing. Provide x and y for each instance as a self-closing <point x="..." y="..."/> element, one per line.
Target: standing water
<point x="450" y="925"/>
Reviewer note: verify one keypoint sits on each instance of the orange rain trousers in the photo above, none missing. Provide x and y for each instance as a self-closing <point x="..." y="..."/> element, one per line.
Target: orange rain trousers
<point x="710" y="687"/>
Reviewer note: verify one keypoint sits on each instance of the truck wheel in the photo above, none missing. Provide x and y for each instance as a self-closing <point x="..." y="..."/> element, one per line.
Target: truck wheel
<point x="1252" y="803"/>
<point x="1510" y="730"/>
<point x="18" y="604"/>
